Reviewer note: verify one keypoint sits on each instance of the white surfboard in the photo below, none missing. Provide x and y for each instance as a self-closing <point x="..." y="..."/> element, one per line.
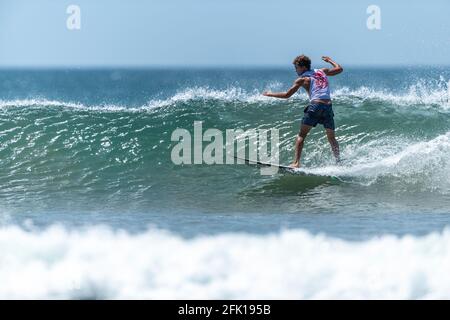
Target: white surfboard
<point x="282" y="168"/>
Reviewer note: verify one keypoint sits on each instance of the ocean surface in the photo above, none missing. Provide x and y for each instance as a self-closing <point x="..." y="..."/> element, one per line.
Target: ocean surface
<point x="92" y="206"/>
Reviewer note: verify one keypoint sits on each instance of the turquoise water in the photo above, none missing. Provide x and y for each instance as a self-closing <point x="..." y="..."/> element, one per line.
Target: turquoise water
<point x="83" y="147"/>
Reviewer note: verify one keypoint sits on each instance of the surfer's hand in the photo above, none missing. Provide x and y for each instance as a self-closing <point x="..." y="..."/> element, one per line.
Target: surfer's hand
<point x="326" y="59"/>
<point x="266" y="93"/>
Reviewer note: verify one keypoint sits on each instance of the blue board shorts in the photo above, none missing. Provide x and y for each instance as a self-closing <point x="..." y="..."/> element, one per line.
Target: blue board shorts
<point x="319" y="113"/>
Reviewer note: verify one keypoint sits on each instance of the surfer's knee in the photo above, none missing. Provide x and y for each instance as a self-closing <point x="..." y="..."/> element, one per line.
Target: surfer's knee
<point x="302" y="134"/>
<point x="300" y="139"/>
<point x="332" y="140"/>
<point x="331" y="136"/>
<point x="304" y="130"/>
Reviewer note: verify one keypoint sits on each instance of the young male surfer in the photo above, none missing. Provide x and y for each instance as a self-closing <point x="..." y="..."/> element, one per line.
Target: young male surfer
<point x="319" y="110"/>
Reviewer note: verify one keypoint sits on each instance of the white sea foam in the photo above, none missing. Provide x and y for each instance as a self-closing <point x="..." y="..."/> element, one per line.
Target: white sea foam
<point x="292" y="264"/>
<point x="203" y="93"/>
<point x="183" y="96"/>
<point x="426" y="162"/>
<point x="42" y="102"/>
<point x="417" y="94"/>
<point x="435" y="94"/>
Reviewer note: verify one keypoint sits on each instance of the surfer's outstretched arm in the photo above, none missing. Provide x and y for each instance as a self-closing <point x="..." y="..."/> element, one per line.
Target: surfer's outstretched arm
<point x="333" y="71"/>
<point x="285" y="95"/>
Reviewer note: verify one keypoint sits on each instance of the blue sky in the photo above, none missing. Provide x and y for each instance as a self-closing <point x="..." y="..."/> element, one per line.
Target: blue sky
<point x="33" y="33"/>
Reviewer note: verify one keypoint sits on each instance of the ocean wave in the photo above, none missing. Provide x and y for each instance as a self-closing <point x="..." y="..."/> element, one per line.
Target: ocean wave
<point x="46" y="103"/>
<point x="184" y="96"/>
<point x="232" y="94"/>
<point x="58" y="263"/>
<point x="421" y="93"/>
<point x="418" y="94"/>
<point x="423" y="163"/>
<point x="426" y="94"/>
<point x="126" y="140"/>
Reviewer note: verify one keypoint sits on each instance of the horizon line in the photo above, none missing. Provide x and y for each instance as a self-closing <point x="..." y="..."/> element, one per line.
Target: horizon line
<point x="205" y="66"/>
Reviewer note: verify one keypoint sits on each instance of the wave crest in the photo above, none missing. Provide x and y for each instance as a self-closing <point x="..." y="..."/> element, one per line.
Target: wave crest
<point x="422" y="93"/>
<point x="419" y="94"/>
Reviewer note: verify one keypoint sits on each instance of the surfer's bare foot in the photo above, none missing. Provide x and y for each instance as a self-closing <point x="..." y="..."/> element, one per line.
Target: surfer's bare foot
<point x="295" y="165"/>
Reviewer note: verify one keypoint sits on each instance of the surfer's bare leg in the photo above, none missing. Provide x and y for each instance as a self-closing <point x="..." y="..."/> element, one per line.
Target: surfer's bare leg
<point x="304" y="130"/>
<point x="333" y="143"/>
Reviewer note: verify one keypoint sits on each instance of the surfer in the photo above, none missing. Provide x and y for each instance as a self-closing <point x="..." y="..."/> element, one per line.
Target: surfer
<point x="319" y="110"/>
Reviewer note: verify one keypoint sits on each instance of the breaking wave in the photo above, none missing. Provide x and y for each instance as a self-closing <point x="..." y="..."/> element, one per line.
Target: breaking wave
<point x="100" y="263"/>
<point x="425" y="164"/>
<point x="98" y="146"/>
<point x="422" y="93"/>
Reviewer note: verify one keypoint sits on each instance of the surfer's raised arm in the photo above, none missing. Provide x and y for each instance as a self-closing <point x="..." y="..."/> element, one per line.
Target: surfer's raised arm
<point x="333" y="71"/>
<point x="285" y="95"/>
